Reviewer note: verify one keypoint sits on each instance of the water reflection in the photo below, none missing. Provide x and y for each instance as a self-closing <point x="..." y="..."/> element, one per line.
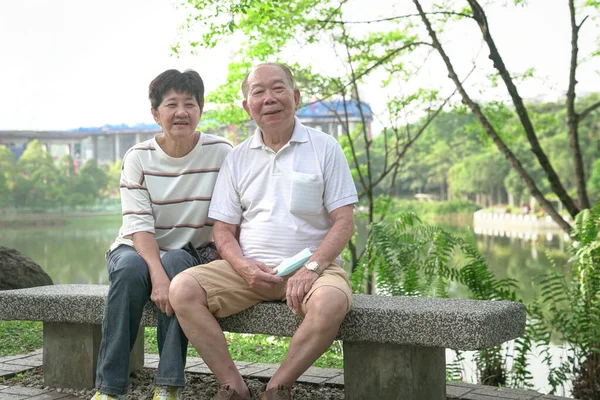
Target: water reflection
<point x="67" y="254"/>
<point x="523" y="256"/>
<point x="75" y="254"/>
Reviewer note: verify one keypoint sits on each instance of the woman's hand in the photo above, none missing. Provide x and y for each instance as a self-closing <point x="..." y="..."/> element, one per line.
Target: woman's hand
<point x="147" y="248"/>
<point x="160" y="293"/>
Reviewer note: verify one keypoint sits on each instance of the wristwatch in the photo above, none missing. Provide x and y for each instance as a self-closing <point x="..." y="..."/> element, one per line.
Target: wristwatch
<point x="313" y="266"/>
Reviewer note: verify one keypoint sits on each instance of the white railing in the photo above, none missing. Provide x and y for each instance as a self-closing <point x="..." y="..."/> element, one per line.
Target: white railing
<point x="503" y="221"/>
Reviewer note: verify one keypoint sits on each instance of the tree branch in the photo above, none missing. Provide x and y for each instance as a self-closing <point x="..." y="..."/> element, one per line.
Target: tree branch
<point x="536" y="148"/>
<point x="485" y="123"/>
<point x="588" y="110"/>
<point x="400" y="154"/>
<point x="371" y="68"/>
<point x="367" y="139"/>
<point x="374" y="21"/>
<point x="572" y="117"/>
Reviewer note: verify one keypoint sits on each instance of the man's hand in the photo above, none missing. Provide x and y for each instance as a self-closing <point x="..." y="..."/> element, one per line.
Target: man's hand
<point x="160" y="293"/>
<point x="257" y="274"/>
<point x="297" y="287"/>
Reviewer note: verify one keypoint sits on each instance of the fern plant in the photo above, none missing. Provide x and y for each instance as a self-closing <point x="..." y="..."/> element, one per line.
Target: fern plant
<point x="571" y="311"/>
<point x="407" y="257"/>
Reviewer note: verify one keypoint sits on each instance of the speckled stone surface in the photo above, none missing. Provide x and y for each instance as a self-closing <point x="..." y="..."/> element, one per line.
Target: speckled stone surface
<point x="413" y="321"/>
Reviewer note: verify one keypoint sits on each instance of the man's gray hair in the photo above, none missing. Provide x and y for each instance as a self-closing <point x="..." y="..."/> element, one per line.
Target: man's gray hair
<point x="284" y="68"/>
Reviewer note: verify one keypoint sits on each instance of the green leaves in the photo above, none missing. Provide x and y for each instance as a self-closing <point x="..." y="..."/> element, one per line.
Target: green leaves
<point x="406" y="257"/>
<point x="405" y="254"/>
<point x="569" y="308"/>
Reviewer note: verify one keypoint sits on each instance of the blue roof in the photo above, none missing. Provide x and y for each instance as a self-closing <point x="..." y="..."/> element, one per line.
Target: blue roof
<point x="141" y="127"/>
<point x="328" y="109"/>
<point x="121" y="128"/>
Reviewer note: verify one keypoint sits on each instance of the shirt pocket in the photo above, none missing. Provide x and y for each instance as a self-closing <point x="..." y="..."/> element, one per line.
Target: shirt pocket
<point x="307" y="194"/>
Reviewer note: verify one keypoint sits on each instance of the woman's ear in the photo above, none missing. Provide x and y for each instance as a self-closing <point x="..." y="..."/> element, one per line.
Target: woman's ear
<point x="155" y="115"/>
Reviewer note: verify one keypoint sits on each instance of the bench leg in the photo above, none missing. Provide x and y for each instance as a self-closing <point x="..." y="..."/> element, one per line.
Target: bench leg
<point x="388" y="371"/>
<point x="137" y="353"/>
<point x="71" y="354"/>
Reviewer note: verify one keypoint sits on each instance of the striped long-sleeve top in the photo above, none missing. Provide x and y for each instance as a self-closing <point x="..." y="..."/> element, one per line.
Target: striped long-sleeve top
<point x="170" y="196"/>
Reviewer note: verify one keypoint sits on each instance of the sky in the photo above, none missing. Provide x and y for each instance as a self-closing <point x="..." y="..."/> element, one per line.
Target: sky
<point x="78" y="63"/>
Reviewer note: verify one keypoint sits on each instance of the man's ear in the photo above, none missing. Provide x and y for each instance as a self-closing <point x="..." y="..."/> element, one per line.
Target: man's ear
<point x="296" y="97"/>
<point x="245" y="105"/>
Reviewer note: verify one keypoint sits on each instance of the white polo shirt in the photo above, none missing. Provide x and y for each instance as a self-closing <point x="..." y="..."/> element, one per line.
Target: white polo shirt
<point x="282" y="200"/>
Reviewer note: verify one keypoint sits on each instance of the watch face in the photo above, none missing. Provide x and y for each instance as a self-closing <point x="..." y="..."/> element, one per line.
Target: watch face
<point x="313" y="266"/>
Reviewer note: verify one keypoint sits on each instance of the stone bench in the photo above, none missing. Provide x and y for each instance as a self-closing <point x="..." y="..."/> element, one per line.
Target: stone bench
<point x="391" y="345"/>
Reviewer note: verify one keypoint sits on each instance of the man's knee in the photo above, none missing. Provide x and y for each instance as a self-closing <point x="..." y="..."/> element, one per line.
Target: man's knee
<point x="328" y="301"/>
<point x="185" y="290"/>
<point x="176" y="260"/>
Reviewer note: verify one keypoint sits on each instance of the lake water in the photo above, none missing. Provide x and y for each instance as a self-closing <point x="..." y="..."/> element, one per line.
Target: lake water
<point x="75" y="254"/>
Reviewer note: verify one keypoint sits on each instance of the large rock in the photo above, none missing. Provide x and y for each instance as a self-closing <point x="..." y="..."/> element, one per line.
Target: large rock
<point x="19" y="271"/>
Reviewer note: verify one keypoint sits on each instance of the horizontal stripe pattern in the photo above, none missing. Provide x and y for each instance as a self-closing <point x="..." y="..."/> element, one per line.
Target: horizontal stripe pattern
<point x="183" y="200"/>
<point x="170" y="196"/>
<point x="136" y="148"/>
<point x="217" y="142"/>
<point x="133" y="212"/>
<point x="132" y="187"/>
<point x="189" y="226"/>
<point x="178" y="174"/>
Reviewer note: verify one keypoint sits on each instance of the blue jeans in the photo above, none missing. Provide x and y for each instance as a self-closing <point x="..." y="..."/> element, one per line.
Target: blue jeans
<point x="130" y="289"/>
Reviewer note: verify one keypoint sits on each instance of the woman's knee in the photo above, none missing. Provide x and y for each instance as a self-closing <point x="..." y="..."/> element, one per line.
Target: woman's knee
<point x="185" y="290"/>
<point x="175" y="261"/>
<point x="130" y="268"/>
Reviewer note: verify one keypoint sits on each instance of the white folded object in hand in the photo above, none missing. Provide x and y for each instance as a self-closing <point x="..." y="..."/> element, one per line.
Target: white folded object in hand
<point x="293" y="263"/>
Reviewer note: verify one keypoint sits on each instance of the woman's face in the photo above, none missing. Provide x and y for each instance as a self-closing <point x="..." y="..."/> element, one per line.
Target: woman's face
<point x="178" y="114"/>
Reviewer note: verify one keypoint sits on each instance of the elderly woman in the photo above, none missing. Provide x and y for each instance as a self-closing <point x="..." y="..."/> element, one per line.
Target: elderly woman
<point x="166" y="186"/>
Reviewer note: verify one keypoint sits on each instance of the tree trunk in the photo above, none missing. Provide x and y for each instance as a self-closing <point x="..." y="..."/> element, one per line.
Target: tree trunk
<point x="555" y="183"/>
<point x="487" y="126"/>
<point x="573" y="117"/>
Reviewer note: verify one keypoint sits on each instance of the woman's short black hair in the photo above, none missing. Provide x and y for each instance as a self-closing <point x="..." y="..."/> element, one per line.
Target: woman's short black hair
<point x="188" y="81"/>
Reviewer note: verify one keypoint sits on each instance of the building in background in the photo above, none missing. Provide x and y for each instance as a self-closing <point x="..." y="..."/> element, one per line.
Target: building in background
<point x="109" y="143"/>
<point x="330" y="116"/>
<point x="106" y="144"/>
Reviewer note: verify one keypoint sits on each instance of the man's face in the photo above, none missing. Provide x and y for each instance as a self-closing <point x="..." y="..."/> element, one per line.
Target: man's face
<point x="271" y="100"/>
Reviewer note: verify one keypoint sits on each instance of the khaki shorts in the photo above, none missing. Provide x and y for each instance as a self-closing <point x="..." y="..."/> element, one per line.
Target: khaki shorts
<point x="229" y="293"/>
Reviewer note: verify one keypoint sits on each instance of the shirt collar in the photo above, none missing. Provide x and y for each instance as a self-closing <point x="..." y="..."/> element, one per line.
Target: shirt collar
<point x="299" y="135"/>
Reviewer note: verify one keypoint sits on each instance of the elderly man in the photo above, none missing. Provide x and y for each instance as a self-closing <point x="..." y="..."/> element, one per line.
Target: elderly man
<point x="287" y="188"/>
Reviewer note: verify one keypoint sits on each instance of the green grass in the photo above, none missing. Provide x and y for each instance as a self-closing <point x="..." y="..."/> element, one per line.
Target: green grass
<point x="257" y="348"/>
<point x="434" y="209"/>
<point x="19" y="337"/>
